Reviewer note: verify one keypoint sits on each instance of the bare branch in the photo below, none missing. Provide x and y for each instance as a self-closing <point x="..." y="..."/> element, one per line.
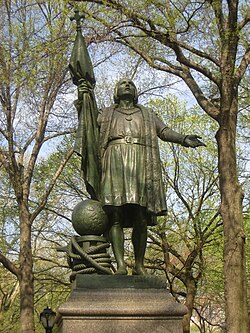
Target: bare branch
<point x="9" y="265"/>
<point x="51" y="185"/>
<point x="4" y="160"/>
<point x="208" y="232"/>
<point x="4" y="134"/>
<point x="206" y="105"/>
<point x="217" y="7"/>
<point x="204" y="194"/>
<point x="243" y="65"/>
<point x="51" y="89"/>
<point x="245" y="21"/>
<point x="169" y="68"/>
<point x="176" y="47"/>
<point x="58" y="134"/>
<point x="199" y="53"/>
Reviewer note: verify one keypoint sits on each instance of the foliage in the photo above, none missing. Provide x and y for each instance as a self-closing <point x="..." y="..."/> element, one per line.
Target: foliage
<point x="33" y="83"/>
<point x="179" y="245"/>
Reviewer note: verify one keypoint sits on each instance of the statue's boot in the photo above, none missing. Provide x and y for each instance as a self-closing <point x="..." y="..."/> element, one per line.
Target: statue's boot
<point x="117" y="241"/>
<point x="122" y="270"/>
<point x="139" y="239"/>
<point x="139" y="271"/>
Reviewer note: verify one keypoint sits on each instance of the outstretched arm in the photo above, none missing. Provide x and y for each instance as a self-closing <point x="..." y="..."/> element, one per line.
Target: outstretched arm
<point x="167" y="134"/>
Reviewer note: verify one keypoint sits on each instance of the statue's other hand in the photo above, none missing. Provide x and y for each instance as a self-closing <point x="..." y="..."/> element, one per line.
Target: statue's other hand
<point x="83" y="87"/>
<point x="193" y="141"/>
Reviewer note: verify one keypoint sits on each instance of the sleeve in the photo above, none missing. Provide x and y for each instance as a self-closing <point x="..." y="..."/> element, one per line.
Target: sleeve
<point x="167" y="134"/>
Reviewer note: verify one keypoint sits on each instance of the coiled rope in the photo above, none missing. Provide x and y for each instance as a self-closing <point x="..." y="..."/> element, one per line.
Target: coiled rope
<point x="90" y="260"/>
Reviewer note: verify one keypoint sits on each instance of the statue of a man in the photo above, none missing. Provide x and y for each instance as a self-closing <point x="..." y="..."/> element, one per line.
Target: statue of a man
<point x="131" y="188"/>
<point x="120" y="158"/>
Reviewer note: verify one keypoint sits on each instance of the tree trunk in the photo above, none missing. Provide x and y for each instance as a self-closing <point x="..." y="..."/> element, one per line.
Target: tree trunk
<point x="231" y="211"/>
<point x="26" y="274"/>
<point x="191" y="292"/>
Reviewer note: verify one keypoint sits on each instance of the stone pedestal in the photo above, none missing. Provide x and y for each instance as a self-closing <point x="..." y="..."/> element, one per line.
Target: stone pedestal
<point x="120" y="304"/>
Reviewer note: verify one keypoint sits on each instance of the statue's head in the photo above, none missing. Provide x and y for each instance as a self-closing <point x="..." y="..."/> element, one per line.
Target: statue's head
<point x="125" y="88"/>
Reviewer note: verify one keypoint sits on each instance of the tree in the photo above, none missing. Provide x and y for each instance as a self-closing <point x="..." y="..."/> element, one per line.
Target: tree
<point x="50" y="230"/>
<point x="33" y="74"/>
<point x="206" y="45"/>
<point x="193" y="223"/>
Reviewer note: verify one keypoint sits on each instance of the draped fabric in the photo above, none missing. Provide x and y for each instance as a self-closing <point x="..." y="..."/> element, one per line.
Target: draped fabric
<point x="156" y="198"/>
<point x="87" y="143"/>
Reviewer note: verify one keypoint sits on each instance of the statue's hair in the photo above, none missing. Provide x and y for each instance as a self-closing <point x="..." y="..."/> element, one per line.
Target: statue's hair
<point x="117" y="98"/>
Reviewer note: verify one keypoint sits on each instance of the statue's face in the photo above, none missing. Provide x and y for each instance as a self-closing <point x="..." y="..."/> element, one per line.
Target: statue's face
<point x="126" y="88"/>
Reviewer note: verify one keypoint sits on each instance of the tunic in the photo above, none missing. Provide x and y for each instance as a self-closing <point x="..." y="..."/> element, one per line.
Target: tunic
<point x="131" y="172"/>
<point x="123" y="164"/>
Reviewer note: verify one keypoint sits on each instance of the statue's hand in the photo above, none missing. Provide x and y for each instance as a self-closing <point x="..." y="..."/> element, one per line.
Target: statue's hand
<point x="83" y="87"/>
<point x="193" y="141"/>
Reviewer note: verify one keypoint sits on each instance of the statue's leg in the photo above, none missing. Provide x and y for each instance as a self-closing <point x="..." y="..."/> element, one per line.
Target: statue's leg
<point x="117" y="241"/>
<point x="139" y="239"/>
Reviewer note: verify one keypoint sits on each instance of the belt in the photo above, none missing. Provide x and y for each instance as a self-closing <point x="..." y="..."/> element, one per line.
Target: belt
<point x="127" y="140"/>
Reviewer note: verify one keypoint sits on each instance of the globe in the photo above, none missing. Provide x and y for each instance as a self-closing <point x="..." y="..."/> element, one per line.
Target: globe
<point x="89" y="218"/>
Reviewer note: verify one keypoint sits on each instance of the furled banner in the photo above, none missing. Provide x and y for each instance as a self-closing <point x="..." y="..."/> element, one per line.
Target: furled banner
<point x="87" y="136"/>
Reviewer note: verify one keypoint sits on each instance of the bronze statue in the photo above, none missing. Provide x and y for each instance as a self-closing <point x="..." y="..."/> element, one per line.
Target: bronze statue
<point x="125" y="172"/>
<point x="131" y="188"/>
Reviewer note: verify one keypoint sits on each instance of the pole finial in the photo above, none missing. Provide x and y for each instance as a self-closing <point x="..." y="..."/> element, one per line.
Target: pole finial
<point x="77" y="17"/>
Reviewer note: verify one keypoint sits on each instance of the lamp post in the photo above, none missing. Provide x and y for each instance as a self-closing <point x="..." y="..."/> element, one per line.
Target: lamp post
<point x="47" y="318"/>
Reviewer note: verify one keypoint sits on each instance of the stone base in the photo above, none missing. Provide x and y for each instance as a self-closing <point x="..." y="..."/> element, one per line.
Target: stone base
<point x="120" y="304"/>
